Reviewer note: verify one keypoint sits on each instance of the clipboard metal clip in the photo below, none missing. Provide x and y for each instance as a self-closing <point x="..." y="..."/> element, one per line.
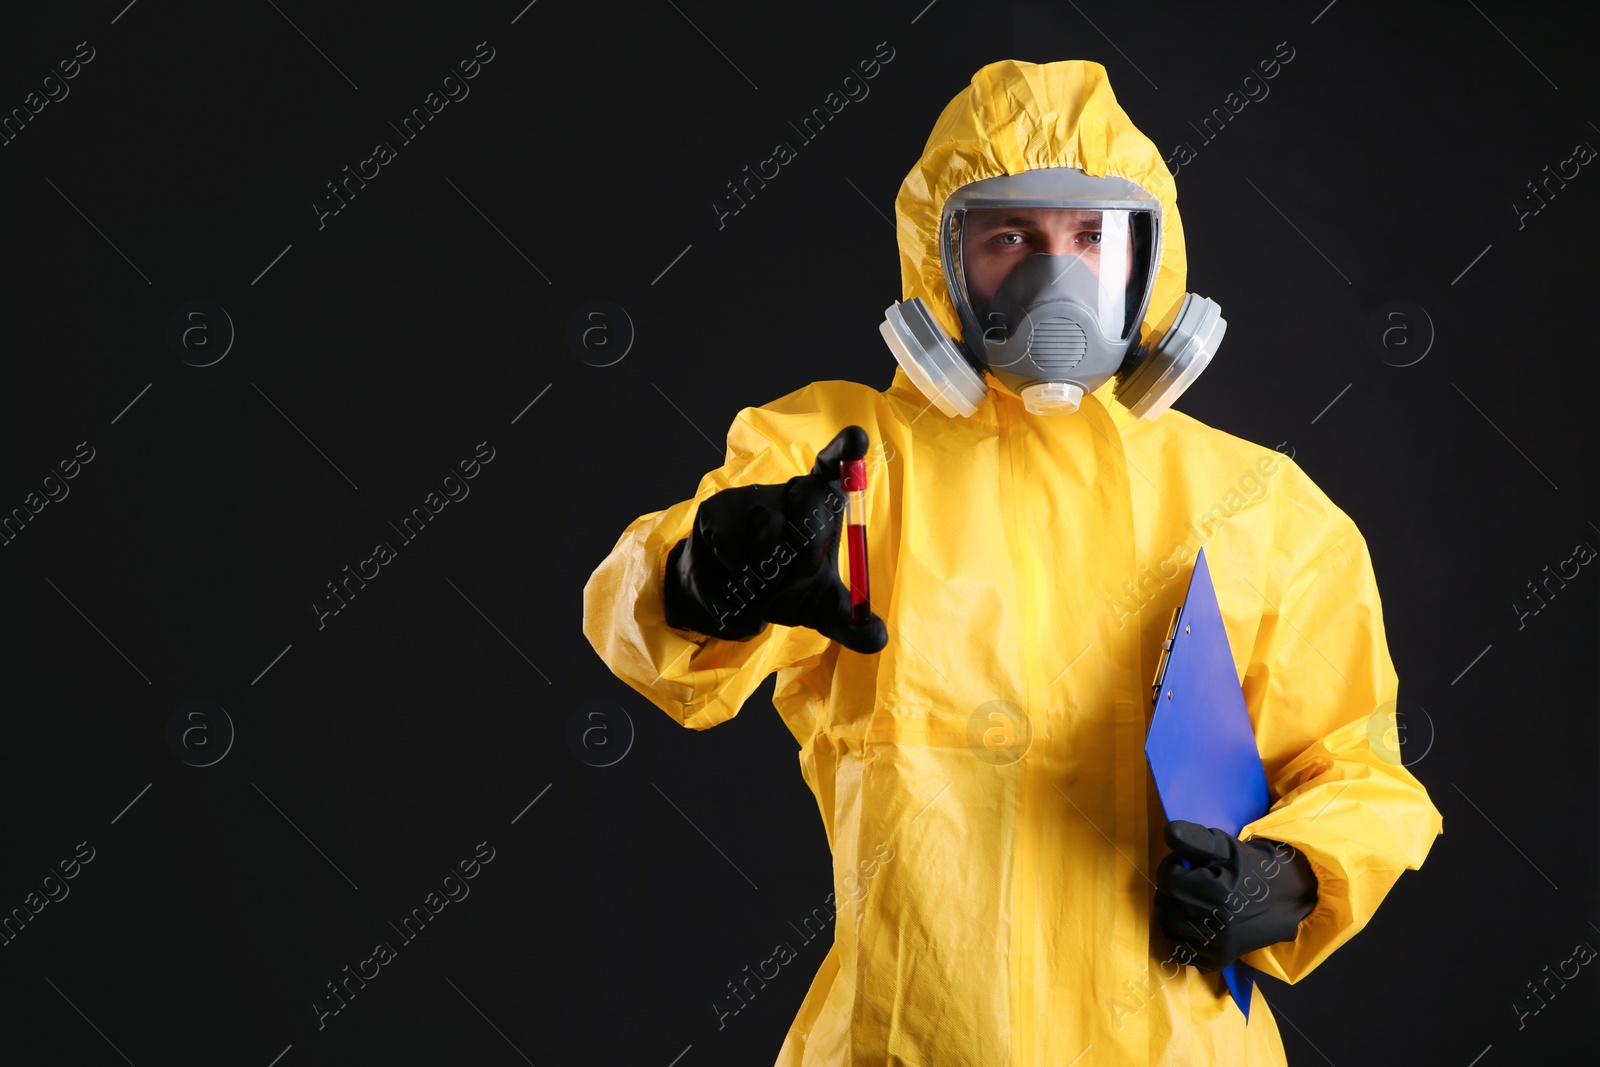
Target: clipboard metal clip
<point x="1166" y="655"/>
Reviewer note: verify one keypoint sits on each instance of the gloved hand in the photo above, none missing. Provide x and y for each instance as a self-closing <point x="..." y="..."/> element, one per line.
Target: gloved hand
<point x="778" y="547"/>
<point x="1238" y="897"/>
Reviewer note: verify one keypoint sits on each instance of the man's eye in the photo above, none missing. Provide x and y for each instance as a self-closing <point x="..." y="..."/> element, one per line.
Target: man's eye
<point x="1005" y="238"/>
<point x="1093" y="238"/>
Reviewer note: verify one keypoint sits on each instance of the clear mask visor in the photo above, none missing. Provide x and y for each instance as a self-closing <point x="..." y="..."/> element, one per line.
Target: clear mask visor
<point x="1098" y="257"/>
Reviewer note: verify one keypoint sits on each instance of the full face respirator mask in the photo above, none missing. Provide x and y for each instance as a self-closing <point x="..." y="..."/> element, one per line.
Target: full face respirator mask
<point x="1050" y="272"/>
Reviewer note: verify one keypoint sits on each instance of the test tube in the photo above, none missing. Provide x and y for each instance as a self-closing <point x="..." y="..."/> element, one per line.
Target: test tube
<point x="853" y="480"/>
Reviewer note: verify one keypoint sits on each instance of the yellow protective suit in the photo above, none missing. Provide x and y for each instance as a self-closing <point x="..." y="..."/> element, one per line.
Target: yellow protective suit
<point x="994" y="910"/>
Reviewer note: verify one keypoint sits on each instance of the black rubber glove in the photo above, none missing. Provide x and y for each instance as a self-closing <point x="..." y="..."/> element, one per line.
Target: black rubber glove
<point x="778" y="548"/>
<point x="1239" y="895"/>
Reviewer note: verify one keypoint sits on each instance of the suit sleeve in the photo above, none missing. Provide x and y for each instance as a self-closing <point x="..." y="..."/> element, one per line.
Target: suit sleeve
<point x="700" y="681"/>
<point x="1325" y="720"/>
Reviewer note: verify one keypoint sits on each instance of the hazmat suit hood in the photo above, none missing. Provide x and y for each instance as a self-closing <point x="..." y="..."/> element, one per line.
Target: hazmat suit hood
<point x="1015" y="117"/>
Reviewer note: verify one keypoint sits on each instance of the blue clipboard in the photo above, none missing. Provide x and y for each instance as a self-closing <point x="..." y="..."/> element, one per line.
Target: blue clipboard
<point x="1201" y="747"/>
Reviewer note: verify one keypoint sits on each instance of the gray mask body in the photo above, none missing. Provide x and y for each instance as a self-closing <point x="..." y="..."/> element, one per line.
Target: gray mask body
<point x="1048" y="324"/>
<point x="1058" y="325"/>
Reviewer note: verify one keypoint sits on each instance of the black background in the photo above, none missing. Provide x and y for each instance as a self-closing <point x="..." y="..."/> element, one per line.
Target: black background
<point x="375" y="752"/>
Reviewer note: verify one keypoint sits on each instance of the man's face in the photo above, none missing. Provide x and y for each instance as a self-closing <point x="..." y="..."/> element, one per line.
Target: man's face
<point x="995" y="240"/>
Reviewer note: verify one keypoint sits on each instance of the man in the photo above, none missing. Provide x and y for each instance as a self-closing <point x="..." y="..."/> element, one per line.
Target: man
<point x="976" y="747"/>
